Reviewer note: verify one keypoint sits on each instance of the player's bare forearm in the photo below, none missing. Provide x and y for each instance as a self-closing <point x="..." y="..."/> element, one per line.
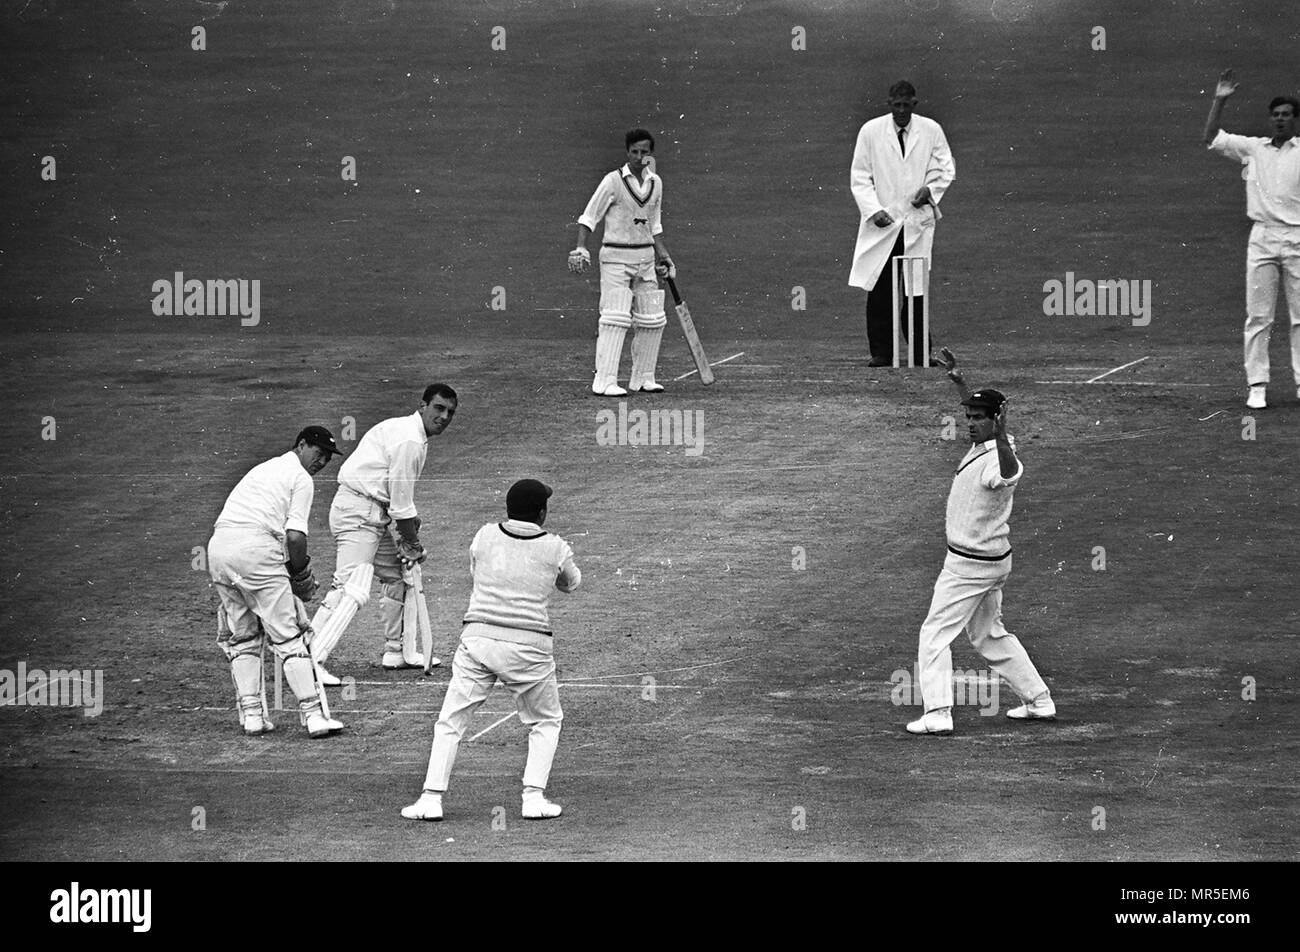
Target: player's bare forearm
<point x="295" y="545"/>
<point x="583" y="234"/>
<point x="1222" y="90"/>
<point x="955" y="375"/>
<point x="661" y="249"/>
<point x="1006" y="455"/>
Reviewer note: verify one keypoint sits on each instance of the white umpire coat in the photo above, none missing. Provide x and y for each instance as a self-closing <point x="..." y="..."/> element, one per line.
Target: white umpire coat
<point x="883" y="178"/>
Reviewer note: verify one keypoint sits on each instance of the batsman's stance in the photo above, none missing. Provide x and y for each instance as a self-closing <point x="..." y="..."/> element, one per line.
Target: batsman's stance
<point x="507" y="636"/>
<point x="377" y="529"/>
<point x="258" y="559"/>
<point x="629" y="201"/>
<point x="968" y="593"/>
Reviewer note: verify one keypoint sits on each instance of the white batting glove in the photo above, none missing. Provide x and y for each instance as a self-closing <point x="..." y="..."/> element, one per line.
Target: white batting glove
<point x="579" y="260"/>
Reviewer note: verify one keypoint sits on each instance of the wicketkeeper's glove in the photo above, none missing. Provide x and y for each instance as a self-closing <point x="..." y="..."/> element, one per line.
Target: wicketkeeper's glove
<point x="303" y="582"/>
<point x="579" y="260"/>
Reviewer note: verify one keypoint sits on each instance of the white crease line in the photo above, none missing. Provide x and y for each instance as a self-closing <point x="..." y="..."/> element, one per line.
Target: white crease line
<point x="1116" y="369"/>
<point x="640" y="674"/>
<point x="715" y="363"/>
<point x="492" y="725"/>
<point x="1127" y="383"/>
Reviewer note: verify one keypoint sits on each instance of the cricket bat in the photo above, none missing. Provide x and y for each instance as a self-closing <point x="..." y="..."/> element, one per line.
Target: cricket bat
<point x="692" y="336"/>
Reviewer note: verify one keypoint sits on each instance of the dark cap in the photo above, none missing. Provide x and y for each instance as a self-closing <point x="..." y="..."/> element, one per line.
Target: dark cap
<point x="990" y="400"/>
<point x="319" y="436"/>
<point x="527" y="498"/>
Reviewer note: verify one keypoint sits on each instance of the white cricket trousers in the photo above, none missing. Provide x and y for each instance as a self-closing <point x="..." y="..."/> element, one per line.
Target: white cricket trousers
<point x="968" y="594"/>
<point x="1272" y="257"/>
<point x="528" y="672"/>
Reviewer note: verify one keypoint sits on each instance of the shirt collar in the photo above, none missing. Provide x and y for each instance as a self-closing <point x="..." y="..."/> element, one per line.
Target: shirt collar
<point x="626" y="172"/>
<point x="419" y="425"/>
<point x="519" y="525"/>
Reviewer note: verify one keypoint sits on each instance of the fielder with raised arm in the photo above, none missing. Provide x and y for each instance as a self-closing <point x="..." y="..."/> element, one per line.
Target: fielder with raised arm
<point x="258" y="559"/>
<point x="629" y="201"/>
<point x="1272" y="174"/>
<point x="968" y="593"/>
<point x="507" y="636"/>
<point x="377" y="529"/>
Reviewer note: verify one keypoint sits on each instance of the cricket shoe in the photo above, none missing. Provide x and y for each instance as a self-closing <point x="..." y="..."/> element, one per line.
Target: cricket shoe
<point x="932" y="722"/>
<point x="428" y="807"/>
<point x="396" y="661"/>
<point x="613" y="390"/>
<point x="1256" y="399"/>
<point x="255" y="724"/>
<point x="318" y="725"/>
<point x="1042" y="708"/>
<point x="539" y="808"/>
<point x="649" y="386"/>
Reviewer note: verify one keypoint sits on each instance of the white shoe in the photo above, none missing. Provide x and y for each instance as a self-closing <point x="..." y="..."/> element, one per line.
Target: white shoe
<point x="650" y="386"/>
<point x="613" y="390"/>
<point x="1297" y="393"/>
<point x="396" y="661"/>
<point x="327" y="679"/>
<point x="932" y="722"/>
<point x="318" y="725"/>
<point x="257" y="724"/>
<point x="1256" y="399"/>
<point x="428" y="807"/>
<point x="433" y="662"/>
<point x="539" y="808"/>
<point x="1041" y="708"/>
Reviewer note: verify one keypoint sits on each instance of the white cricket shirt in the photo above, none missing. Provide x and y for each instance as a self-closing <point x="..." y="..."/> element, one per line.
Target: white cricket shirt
<point x="274" y="497"/>
<point x="631" y="212"/>
<point x="979" y="505"/>
<point x="1272" y="175"/>
<point x="515" y="566"/>
<point x="387" y="462"/>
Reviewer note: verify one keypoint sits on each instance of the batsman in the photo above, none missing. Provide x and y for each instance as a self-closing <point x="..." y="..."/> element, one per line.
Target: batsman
<point x="629" y="201"/>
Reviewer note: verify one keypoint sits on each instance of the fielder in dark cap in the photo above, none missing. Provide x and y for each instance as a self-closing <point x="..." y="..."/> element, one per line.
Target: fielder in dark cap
<point x="507" y="636"/>
<point x="968" y="593"/>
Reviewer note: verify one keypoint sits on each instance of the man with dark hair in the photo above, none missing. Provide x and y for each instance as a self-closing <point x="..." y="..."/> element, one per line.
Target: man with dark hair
<point x="1272" y="174"/>
<point x="507" y="637"/>
<point x="901" y="167"/>
<point x="968" y="593"/>
<point x="259" y="563"/>
<point x="629" y="201"/>
<point x="375" y="523"/>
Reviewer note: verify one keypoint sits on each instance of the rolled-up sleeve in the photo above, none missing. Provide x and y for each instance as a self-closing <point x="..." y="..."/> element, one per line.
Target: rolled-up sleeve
<point x="601" y="199"/>
<point x="300" y="497"/>
<point x="570" y="576"/>
<point x="992" y="477"/>
<point x="403" y="471"/>
<point x="1233" y="146"/>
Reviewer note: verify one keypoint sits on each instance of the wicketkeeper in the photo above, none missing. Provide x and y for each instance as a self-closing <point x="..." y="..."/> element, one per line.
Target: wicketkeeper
<point x="258" y="559"/>
<point x="629" y="201"/>
<point x="507" y="636"/>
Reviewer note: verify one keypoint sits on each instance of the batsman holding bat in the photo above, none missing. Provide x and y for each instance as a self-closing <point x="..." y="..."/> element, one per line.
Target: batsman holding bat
<point x="258" y="560"/>
<point x="968" y="593"/>
<point x="628" y="201"/>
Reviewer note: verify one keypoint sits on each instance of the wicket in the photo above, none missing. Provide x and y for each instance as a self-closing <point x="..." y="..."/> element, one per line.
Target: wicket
<point x="910" y="263"/>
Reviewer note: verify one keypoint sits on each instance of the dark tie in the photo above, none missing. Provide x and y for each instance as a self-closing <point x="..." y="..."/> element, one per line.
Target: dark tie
<point x="902" y="131"/>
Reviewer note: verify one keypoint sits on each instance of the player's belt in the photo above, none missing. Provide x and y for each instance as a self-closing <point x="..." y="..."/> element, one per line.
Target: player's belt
<point x="979" y="558"/>
<point x="619" y="244"/>
<point x="360" y="494"/>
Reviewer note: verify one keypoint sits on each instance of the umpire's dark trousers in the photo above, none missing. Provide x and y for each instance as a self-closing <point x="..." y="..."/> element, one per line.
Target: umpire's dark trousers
<point x="880" y="323"/>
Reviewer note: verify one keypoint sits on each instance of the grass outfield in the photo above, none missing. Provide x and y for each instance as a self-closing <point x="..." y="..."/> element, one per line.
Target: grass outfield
<point x="727" y="665"/>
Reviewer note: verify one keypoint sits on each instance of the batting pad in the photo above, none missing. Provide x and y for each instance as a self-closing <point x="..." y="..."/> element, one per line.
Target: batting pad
<point x="616" y="307"/>
<point x="648" y="310"/>
<point x="645" y="353"/>
<point x="354" y="594"/>
<point x="609" y="350"/>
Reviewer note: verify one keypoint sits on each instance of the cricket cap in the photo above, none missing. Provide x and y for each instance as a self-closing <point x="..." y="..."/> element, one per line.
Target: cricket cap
<point x="527" y="498"/>
<point x="990" y="400"/>
<point x="321" y="437"/>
